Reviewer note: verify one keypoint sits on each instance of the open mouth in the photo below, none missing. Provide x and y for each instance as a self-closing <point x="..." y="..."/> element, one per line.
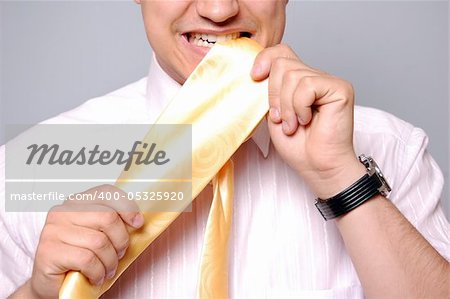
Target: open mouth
<point x="208" y="40"/>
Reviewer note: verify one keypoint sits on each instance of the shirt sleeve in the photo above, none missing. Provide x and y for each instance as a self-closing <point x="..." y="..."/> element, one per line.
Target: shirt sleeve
<point x="419" y="189"/>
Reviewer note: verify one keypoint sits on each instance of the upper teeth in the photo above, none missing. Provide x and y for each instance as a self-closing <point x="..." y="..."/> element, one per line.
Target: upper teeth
<point x="208" y="40"/>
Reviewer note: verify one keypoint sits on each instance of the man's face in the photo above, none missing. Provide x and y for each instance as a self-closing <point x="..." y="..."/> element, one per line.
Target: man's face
<point x="181" y="32"/>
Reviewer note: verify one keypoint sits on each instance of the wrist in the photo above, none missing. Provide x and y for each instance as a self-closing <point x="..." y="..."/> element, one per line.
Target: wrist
<point x="327" y="185"/>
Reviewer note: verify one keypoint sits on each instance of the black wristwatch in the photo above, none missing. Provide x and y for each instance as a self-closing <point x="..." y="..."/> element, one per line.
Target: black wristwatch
<point x="371" y="184"/>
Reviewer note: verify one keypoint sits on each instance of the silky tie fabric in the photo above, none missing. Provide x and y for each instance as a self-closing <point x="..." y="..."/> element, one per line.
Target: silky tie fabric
<point x="223" y="105"/>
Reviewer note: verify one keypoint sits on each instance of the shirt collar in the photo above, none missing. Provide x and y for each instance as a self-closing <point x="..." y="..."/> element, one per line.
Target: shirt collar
<point x="161" y="88"/>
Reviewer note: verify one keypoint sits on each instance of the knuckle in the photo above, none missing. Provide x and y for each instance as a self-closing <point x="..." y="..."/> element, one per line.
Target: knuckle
<point x="111" y="188"/>
<point x="307" y="81"/>
<point x="47" y="234"/>
<point x="346" y="91"/>
<point x="54" y="214"/>
<point x="350" y="91"/>
<point x="51" y="218"/>
<point x="127" y="208"/>
<point x="287" y="51"/>
<point x="95" y="274"/>
<point x="106" y="187"/>
<point x="87" y="259"/>
<point x="300" y="107"/>
<point x="99" y="241"/>
<point x="284" y="47"/>
<point x="290" y="76"/>
<point x="345" y="100"/>
<point x="124" y="243"/>
<point x="109" y="218"/>
<point x="54" y="209"/>
<point x="280" y="62"/>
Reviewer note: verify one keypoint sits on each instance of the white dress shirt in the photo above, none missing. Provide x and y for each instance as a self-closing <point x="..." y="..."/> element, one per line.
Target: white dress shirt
<point x="280" y="245"/>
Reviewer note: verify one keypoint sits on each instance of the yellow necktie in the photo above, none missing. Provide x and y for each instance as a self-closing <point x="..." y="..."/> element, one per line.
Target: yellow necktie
<point x="224" y="105"/>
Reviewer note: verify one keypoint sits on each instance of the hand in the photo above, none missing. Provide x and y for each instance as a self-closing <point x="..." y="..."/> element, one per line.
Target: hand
<point x="85" y="236"/>
<point x="310" y="120"/>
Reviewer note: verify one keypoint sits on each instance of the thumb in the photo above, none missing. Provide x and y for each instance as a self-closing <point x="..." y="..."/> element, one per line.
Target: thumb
<point x="134" y="219"/>
<point x="261" y="67"/>
<point x="127" y="209"/>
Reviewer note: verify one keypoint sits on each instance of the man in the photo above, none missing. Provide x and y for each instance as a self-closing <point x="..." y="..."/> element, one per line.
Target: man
<point x="281" y="245"/>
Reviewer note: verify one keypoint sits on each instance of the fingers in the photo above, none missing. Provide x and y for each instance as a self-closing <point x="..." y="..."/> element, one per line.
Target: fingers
<point x="97" y="225"/>
<point x="83" y="260"/>
<point x="88" y="236"/>
<point x="292" y="93"/>
<point x="279" y="67"/>
<point x="87" y="262"/>
<point x="264" y="60"/>
<point x="127" y="209"/>
<point x="56" y="258"/>
<point x="99" y="239"/>
<point x="295" y="89"/>
<point x="110" y="224"/>
<point x="285" y="70"/>
<point x="273" y="62"/>
<point x="90" y="239"/>
<point x="296" y="99"/>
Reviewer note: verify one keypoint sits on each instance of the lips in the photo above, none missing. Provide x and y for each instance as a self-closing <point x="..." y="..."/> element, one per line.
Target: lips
<point x="208" y="39"/>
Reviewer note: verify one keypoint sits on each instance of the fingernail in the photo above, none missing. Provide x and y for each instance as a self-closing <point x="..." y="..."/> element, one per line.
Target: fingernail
<point x="111" y="274"/>
<point x="274" y="114"/>
<point x="121" y="253"/>
<point x="138" y="220"/>
<point x="285" y="126"/>
<point x="301" y="121"/>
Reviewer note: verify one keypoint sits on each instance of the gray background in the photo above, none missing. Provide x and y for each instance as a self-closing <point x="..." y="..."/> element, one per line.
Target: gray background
<point x="57" y="54"/>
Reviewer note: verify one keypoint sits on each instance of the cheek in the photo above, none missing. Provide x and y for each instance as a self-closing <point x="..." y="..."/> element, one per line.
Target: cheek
<point x="270" y="15"/>
<point x="158" y="26"/>
<point x="275" y="20"/>
<point x="153" y="20"/>
<point x="162" y="15"/>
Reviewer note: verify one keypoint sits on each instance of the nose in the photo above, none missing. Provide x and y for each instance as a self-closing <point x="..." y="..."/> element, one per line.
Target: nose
<point x="217" y="10"/>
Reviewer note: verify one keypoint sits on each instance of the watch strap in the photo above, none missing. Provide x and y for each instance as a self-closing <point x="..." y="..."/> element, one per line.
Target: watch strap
<point x="358" y="193"/>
